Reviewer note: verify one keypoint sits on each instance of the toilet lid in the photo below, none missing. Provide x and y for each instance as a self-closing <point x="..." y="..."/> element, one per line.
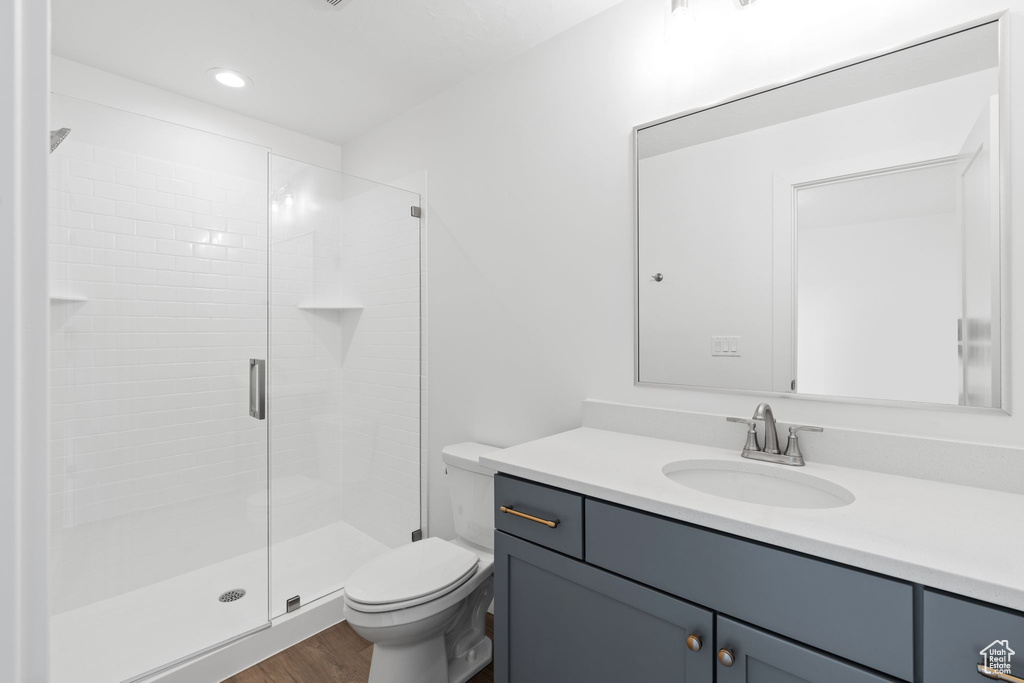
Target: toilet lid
<point x="417" y="570"/>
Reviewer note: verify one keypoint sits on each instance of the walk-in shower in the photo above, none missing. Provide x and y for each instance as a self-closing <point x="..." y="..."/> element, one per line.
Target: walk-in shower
<point x="179" y="521"/>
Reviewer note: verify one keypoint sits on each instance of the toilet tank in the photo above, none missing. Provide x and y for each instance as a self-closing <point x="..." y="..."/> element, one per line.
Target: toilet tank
<point x="471" y="486"/>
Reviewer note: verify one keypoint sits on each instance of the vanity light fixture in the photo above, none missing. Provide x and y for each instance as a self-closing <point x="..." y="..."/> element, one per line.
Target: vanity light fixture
<point x="229" y="77"/>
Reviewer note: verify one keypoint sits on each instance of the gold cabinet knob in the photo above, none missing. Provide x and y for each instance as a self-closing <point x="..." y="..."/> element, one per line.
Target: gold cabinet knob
<point x="726" y="657"/>
<point x="694" y="642"/>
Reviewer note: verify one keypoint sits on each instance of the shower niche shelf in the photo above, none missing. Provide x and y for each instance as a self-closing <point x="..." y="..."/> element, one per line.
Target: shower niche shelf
<point x="330" y="306"/>
<point x="66" y="299"/>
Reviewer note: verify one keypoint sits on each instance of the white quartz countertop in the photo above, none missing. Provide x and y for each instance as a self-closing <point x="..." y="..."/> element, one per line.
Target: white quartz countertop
<point x="960" y="539"/>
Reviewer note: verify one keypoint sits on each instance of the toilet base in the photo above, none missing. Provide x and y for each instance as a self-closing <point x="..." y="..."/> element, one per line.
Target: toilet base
<point x="423" y="661"/>
<point x="469" y="649"/>
<point x="461" y="669"/>
<point x="448" y="646"/>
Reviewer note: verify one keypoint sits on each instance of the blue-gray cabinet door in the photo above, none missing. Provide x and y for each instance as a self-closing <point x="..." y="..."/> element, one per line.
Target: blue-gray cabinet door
<point x="960" y="634"/>
<point x="759" y="657"/>
<point x="558" y="620"/>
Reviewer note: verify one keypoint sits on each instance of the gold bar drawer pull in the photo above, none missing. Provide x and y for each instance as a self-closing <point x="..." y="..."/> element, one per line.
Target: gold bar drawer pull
<point x="517" y="513"/>
<point x="997" y="676"/>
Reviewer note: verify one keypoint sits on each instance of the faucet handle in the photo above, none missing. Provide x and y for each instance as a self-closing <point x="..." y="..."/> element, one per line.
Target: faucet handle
<point x="804" y="428"/>
<point x="751" y="444"/>
<point x="793" y="444"/>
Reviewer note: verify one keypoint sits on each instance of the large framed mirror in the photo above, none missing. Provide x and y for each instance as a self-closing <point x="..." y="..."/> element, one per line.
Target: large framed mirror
<point x="836" y="237"/>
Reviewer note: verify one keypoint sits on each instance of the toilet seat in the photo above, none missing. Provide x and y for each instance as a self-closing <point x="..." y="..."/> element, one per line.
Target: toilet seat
<point x="410" y="575"/>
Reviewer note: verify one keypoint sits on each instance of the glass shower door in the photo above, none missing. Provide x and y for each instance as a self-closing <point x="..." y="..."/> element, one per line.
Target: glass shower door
<point x="344" y="378"/>
<point x="158" y="249"/>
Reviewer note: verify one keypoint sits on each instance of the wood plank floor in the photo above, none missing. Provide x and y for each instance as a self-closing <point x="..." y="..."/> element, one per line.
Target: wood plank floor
<point x="337" y="655"/>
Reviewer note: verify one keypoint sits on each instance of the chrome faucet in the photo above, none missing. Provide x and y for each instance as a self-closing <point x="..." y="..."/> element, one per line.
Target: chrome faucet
<point x="764" y="413"/>
<point x="770" y="453"/>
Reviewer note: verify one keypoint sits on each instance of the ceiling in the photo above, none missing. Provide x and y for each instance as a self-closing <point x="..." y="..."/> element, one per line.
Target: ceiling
<point x="329" y="72"/>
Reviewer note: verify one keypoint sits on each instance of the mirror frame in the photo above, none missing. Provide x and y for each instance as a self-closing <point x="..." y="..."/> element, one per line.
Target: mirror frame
<point x="1003" y="28"/>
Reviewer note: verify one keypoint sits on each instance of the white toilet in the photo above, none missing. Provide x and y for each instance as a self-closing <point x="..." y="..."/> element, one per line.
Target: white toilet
<point x="423" y="605"/>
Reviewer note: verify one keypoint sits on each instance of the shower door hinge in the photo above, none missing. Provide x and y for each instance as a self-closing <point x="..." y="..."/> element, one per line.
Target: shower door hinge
<point x="415" y="211"/>
<point x="417" y="535"/>
<point x="293" y="604"/>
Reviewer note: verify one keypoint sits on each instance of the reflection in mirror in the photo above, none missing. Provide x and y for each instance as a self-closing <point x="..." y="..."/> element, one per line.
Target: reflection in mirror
<point x="838" y="236"/>
<point x="877" y="312"/>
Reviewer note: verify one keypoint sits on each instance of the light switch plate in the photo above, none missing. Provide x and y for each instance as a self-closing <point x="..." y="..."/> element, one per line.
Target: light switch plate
<point x="728" y="347"/>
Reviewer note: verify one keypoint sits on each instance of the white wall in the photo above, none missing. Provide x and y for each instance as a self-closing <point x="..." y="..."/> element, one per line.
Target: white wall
<point x="24" y="61"/>
<point x="530" y="218"/>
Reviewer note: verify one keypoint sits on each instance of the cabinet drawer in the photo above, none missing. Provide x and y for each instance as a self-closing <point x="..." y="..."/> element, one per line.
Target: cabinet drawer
<point x="543" y="503"/>
<point x="760" y="657"/>
<point x="557" y="620"/>
<point x="859" y="616"/>
<point x="956" y="632"/>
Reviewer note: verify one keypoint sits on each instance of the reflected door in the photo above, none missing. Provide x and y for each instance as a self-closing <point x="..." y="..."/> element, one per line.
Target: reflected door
<point x="978" y="172"/>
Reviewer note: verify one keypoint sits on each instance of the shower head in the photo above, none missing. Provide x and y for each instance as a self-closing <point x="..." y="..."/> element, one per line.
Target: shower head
<point x="57" y="137"/>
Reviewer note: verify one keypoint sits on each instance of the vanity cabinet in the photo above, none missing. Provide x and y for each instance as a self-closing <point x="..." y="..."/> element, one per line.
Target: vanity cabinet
<point x="612" y="594"/>
<point x="561" y="620"/>
<point x="859" y="616"/>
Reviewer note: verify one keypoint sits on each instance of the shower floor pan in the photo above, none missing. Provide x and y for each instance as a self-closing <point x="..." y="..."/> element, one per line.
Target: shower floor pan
<point x="121" y="638"/>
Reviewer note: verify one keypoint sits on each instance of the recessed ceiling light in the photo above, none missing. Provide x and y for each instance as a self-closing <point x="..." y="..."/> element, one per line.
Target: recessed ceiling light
<point x="230" y="78"/>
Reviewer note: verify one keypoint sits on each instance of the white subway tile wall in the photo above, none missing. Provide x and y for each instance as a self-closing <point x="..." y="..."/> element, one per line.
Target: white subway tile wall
<point x="159" y="293"/>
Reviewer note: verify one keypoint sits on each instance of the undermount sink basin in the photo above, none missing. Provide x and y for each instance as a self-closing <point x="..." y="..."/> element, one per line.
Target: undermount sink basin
<point x="761" y="483"/>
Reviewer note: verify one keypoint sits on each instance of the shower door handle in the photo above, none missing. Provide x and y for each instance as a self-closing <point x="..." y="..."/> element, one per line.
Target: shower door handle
<point x="258" y="388"/>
